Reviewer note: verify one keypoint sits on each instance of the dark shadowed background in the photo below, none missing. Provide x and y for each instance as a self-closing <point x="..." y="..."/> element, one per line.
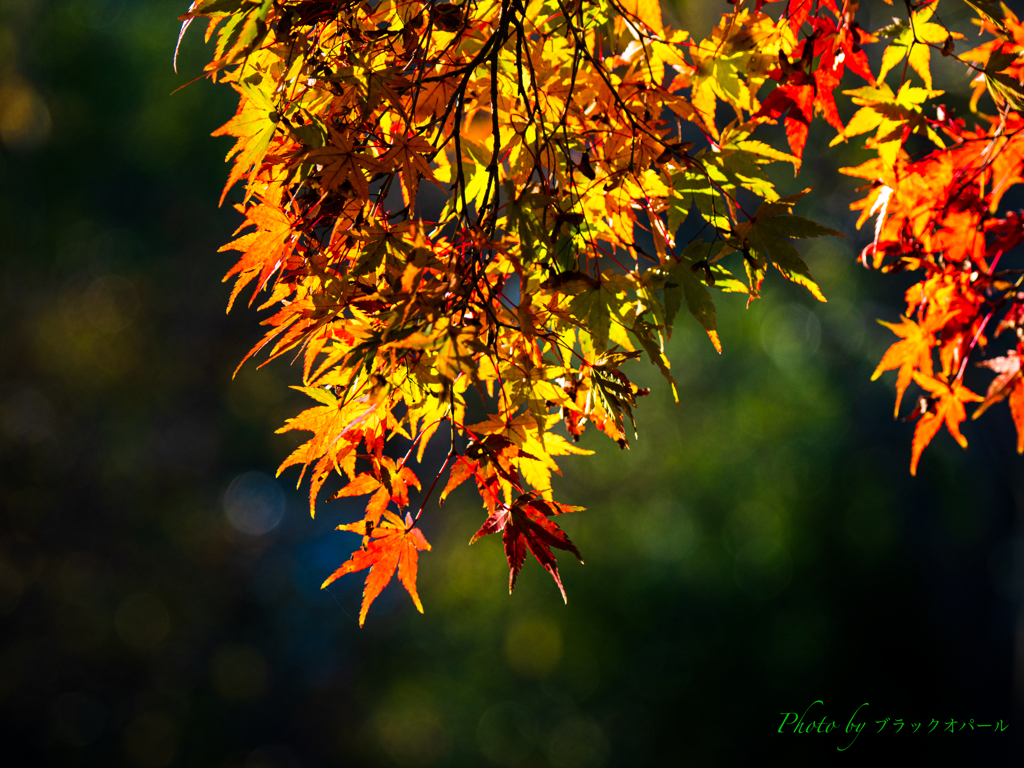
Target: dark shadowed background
<point x="760" y="547"/>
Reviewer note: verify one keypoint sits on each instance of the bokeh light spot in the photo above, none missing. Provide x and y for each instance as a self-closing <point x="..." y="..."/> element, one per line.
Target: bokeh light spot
<point x="24" y="118"/>
<point x="254" y="503"/>
<point x="791" y="335"/>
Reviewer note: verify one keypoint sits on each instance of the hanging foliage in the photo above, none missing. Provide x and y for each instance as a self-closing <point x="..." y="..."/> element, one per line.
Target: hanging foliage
<point x="569" y="141"/>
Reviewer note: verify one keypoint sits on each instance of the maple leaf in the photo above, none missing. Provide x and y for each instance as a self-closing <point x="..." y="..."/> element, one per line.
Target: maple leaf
<point x="729" y="66"/>
<point x="912" y="354"/>
<point x="647" y="12"/>
<point x="491" y="462"/>
<point x="394" y="544"/>
<point x="804" y="88"/>
<point x="796" y="102"/>
<point x="343" y="163"/>
<point x="684" y="283"/>
<point x="391" y="486"/>
<point x="337" y="428"/>
<point x="894" y="116"/>
<point x="557" y="135"/>
<point x="411" y="152"/>
<point x="1008" y="383"/>
<point x="1002" y="67"/>
<point x="600" y="310"/>
<point x="847" y="51"/>
<point x="254" y="130"/>
<point x="911" y="41"/>
<point x="264" y="251"/>
<point x="525" y="525"/>
<point x="1014" y="317"/>
<point x="768" y="233"/>
<point x="946" y="405"/>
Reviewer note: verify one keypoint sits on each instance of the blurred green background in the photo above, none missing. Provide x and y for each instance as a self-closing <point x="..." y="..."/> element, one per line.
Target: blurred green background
<point x="760" y="547"/>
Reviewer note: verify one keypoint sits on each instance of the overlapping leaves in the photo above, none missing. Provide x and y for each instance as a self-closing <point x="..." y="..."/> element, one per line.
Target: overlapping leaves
<point x="940" y="214"/>
<point x="571" y="143"/>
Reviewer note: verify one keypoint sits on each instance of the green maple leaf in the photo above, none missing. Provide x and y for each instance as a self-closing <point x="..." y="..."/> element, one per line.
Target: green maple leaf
<point x="767" y="235"/>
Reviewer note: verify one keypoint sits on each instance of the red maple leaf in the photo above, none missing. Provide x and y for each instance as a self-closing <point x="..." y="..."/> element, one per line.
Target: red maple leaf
<point x="1008" y="383"/>
<point x="526" y="525"/>
<point x="490" y="462"/>
<point x="842" y="47"/>
<point x="796" y="101"/>
<point x="804" y="86"/>
<point x="795" y="94"/>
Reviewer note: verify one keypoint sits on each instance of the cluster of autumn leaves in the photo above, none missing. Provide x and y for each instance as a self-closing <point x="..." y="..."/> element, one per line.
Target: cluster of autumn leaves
<point x="939" y="214"/>
<point x="562" y="134"/>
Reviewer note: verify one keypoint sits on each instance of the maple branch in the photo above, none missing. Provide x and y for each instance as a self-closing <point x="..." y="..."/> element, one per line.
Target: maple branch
<point x="392" y="311"/>
<point x="451" y="452"/>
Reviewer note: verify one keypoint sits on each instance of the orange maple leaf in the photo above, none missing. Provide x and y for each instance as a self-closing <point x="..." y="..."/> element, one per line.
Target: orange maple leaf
<point x="263" y="251"/>
<point x="912" y="354"/>
<point x="343" y="162"/>
<point x="945" y="405"/>
<point x="411" y="153"/>
<point x="393" y="485"/>
<point x="394" y="544"/>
